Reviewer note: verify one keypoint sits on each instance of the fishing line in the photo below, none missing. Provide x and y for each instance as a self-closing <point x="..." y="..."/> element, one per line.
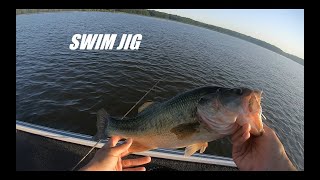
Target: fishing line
<point x="141" y="98"/>
<point x="121" y="119"/>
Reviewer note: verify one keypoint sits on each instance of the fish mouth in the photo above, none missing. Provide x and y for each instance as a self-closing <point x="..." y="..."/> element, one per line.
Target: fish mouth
<point x="252" y="111"/>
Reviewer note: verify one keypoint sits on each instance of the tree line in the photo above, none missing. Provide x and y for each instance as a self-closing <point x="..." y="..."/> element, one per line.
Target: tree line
<point x="153" y="13"/>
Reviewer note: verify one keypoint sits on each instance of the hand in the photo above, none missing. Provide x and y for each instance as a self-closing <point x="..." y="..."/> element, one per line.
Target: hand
<point x="260" y="153"/>
<point x="109" y="158"/>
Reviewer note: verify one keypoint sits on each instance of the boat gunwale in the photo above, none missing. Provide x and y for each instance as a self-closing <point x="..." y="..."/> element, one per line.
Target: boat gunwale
<point x="86" y="140"/>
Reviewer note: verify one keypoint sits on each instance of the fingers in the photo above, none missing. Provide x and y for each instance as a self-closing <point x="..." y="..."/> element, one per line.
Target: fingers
<point x="111" y="142"/>
<point x="125" y="153"/>
<point x="242" y="135"/>
<point x="240" y="132"/>
<point x="135" y="162"/>
<point x="135" y="169"/>
<point x="118" y="150"/>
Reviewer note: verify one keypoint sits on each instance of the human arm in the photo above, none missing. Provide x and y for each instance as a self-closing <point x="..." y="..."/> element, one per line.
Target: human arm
<point x="260" y="153"/>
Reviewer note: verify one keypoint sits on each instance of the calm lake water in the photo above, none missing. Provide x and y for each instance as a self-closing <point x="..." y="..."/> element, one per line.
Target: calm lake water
<point x="64" y="89"/>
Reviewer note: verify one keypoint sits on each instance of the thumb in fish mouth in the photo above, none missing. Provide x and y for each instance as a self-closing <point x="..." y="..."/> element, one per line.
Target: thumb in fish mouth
<point x="255" y="123"/>
<point x="251" y="113"/>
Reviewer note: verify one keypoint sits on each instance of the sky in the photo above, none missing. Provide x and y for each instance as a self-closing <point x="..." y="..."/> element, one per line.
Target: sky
<point x="282" y="28"/>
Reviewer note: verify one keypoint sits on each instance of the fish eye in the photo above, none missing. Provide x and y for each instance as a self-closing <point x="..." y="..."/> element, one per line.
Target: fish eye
<point x="238" y="91"/>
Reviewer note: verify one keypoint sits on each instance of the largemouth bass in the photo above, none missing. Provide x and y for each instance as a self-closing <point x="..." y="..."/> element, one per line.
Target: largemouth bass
<point x="190" y="119"/>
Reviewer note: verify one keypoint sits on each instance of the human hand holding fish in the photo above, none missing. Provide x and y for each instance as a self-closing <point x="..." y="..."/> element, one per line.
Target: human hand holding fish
<point x="259" y="153"/>
<point x="109" y="158"/>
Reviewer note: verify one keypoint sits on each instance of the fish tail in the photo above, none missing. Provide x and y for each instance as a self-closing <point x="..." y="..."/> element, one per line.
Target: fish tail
<point x="103" y="119"/>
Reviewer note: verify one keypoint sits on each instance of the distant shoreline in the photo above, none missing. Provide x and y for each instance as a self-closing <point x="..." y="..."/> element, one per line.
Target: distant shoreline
<point x="153" y="13"/>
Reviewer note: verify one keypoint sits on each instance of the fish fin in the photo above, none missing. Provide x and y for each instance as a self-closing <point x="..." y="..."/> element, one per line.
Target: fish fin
<point x="144" y="106"/>
<point x="194" y="148"/>
<point x="204" y="147"/>
<point x="137" y="147"/>
<point x="102" y="123"/>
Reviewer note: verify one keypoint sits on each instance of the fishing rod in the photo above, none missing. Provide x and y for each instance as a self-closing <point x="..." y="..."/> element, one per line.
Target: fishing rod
<point x="121" y="119"/>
